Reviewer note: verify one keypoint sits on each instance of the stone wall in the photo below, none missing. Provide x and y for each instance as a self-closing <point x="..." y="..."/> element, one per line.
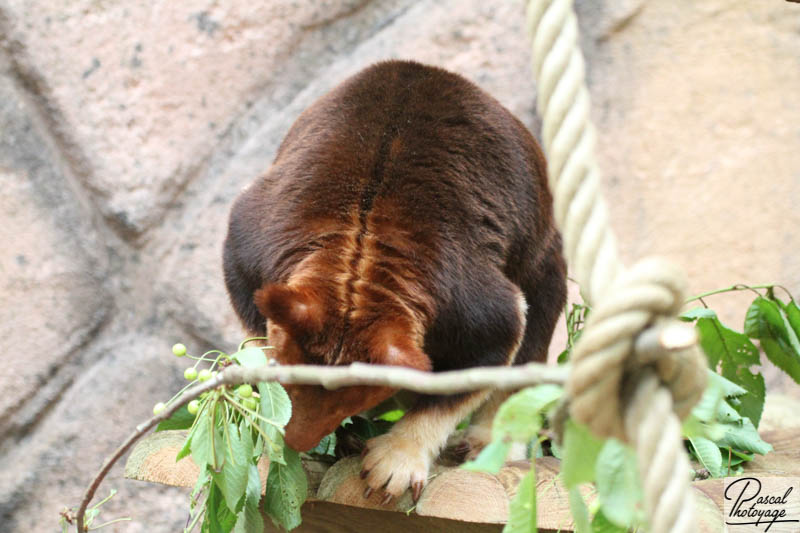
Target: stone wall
<point x="127" y="128"/>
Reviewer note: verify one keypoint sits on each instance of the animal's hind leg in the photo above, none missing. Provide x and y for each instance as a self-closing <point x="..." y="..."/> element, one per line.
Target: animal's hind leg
<point x="479" y="432"/>
<point x="545" y="291"/>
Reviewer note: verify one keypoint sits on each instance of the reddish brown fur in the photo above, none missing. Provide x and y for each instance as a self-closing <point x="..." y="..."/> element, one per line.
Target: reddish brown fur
<point x="404" y="214"/>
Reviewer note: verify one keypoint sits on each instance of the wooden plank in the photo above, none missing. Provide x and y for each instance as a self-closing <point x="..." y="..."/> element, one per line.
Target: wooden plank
<point x="327" y="517"/>
<point x="153" y="460"/>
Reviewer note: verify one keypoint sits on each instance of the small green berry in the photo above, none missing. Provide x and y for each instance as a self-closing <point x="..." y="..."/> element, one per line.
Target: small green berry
<point x="159" y="408"/>
<point x="245" y="391"/>
<point x="179" y="349"/>
<point x="190" y="373"/>
<point x="193" y="407"/>
<point x="250" y="404"/>
<point x="204" y="375"/>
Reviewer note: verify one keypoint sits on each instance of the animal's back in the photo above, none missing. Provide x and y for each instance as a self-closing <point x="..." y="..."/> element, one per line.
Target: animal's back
<point x="410" y="178"/>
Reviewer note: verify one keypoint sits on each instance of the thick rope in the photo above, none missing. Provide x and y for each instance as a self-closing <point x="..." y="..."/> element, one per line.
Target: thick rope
<point x="618" y="386"/>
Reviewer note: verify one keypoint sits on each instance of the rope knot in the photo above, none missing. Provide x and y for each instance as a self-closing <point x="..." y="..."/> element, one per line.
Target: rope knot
<point x="630" y="334"/>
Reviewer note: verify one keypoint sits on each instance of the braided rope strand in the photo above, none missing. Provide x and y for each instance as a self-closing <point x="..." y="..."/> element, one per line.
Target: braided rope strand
<point x="627" y="302"/>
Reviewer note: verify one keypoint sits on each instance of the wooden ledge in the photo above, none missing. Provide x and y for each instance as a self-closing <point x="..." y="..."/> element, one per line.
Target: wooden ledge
<point x="454" y="499"/>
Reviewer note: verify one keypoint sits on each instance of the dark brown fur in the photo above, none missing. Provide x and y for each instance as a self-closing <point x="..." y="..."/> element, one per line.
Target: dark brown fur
<point x="404" y="213"/>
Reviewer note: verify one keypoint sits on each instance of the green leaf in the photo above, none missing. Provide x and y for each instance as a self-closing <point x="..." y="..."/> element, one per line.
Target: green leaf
<point x="793" y="315"/>
<point x="249" y="519"/>
<point x="782" y="358"/>
<point x="728" y="388"/>
<point x="252" y="357"/>
<point x="767" y="318"/>
<point x="580" y="513"/>
<point x="275" y="403"/>
<point x="287" y="489"/>
<point x="707" y="452"/>
<point x="727" y="414"/>
<point x="392" y="416"/>
<point x="201" y="444"/>
<point x="275" y="406"/>
<point x="742" y="435"/>
<point x="520" y="417"/>
<point x="720" y="343"/>
<point x="186" y="449"/>
<point x="734" y="353"/>
<point x="180" y="419"/>
<point x="232" y="481"/>
<point x="697" y="312"/>
<point x="327" y="446"/>
<point x="717" y="389"/>
<point x="618" y="483"/>
<point x="491" y="459"/>
<point x="274" y="448"/>
<point x="734" y="458"/>
<point x="601" y="524"/>
<point x="522" y="509"/>
<point x="218" y="518"/>
<point x="258" y="447"/>
<point x="767" y="321"/>
<point x="580" y="452"/>
<point x="738" y="456"/>
<point x="751" y="404"/>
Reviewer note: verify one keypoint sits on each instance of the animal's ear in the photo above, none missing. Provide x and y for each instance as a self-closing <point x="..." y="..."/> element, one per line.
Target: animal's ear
<point x="296" y="309"/>
<point x="396" y="346"/>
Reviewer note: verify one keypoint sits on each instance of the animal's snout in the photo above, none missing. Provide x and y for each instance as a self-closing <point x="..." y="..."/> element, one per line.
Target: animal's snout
<point x="317" y="411"/>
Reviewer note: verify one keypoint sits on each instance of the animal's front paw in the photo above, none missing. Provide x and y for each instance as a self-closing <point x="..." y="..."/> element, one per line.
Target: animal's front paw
<point x="392" y="463"/>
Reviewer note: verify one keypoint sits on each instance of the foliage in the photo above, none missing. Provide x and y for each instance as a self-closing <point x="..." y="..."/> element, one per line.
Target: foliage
<point x="575" y="316"/>
<point x="721" y="432"/>
<point x="231" y="430"/>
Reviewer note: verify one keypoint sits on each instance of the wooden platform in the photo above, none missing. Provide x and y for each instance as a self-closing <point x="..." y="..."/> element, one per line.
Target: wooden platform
<point x="457" y="500"/>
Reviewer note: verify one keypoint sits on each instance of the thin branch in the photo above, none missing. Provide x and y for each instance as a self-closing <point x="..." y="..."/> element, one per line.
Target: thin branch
<point x="741" y="287"/>
<point x="334" y="377"/>
<point x="451" y="382"/>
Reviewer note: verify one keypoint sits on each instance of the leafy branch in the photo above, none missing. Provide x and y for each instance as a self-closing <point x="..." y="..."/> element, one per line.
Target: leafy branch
<point x="450" y="382"/>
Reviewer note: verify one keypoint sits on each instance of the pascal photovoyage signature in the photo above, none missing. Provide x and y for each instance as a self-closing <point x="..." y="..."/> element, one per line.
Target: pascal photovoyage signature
<point x="750" y="507"/>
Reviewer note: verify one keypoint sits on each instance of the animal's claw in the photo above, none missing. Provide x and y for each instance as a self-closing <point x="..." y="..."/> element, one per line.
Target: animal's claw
<point x="416" y="490"/>
<point x="367" y="493"/>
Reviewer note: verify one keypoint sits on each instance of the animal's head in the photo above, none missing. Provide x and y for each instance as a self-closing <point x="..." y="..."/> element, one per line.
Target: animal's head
<point x="308" y="325"/>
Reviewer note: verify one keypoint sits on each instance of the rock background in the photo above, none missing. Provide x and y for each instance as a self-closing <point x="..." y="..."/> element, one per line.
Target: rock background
<point x="127" y="128"/>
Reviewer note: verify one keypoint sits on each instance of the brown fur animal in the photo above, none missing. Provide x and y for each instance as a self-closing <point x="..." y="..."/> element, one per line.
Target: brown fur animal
<point x="405" y="221"/>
